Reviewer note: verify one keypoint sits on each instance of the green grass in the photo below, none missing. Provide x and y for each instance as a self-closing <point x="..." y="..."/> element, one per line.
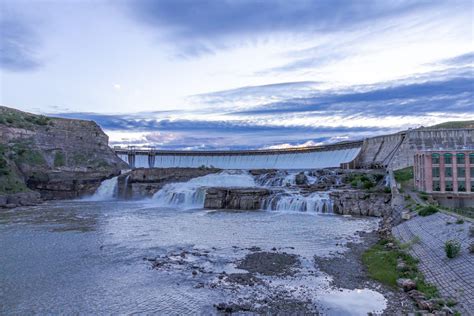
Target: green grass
<point x="12" y="184"/>
<point x="18" y="119"/>
<point x="455" y="124"/>
<point x="22" y="152"/>
<point x="381" y="264"/>
<point x="403" y="175"/>
<point x="427" y="210"/>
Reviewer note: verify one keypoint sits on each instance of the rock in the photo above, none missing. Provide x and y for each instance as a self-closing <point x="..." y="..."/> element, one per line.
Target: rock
<point x="235" y="198"/>
<point x="401" y="266"/>
<point x="66" y="158"/>
<point x="416" y="295"/>
<point x="447" y="310"/>
<point x="426" y="305"/>
<point x="3" y="201"/>
<point x="301" y="179"/>
<point x="361" y="203"/>
<point x="406" y="284"/>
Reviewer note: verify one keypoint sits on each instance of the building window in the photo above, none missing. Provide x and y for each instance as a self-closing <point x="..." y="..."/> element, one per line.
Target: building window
<point x="461" y="172"/>
<point x="436" y="186"/>
<point x="472" y="185"/>
<point x="435" y="159"/>
<point x="471" y="159"/>
<point x="461" y="187"/>
<point x="449" y="186"/>
<point x="435" y="172"/>
<point x="448" y="159"/>
<point x="448" y="171"/>
<point x="460" y="159"/>
<point x="472" y="172"/>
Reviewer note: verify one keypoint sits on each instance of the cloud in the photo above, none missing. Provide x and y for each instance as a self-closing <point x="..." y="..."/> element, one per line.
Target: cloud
<point x="450" y="95"/>
<point x="200" y="26"/>
<point x="19" y="45"/>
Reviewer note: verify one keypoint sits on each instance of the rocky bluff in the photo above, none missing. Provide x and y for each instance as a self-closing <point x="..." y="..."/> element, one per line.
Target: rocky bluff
<point x="51" y="158"/>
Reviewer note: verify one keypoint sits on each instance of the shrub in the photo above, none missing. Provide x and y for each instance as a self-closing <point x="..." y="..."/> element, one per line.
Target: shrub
<point x="471" y="247"/>
<point x="460" y="221"/>
<point x="59" y="160"/>
<point x="428" y="210"/>
<point x="403" y="175"/>
<point x="452" y="248"/>
<point x="387" y="190"/>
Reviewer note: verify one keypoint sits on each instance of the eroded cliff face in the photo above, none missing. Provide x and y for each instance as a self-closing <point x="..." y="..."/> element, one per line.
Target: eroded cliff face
<point x="58" y="158"/>
<point x="360" y="203"/>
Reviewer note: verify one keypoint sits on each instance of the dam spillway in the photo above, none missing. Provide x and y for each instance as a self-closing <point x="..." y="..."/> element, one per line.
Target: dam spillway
<point x="329" y="156"/>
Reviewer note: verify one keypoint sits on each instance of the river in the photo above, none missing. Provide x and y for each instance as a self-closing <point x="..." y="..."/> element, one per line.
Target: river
<point x="88" y="257"/>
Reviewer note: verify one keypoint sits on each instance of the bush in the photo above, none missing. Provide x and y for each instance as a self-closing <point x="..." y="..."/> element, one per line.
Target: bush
<point x="452" y="248"/>
<point x="403" y="175"/>
<point x="471" y="248"/>
<point x="428" y="210"/>
<point x="59" y="160"/>
<point x="460" y="221"/>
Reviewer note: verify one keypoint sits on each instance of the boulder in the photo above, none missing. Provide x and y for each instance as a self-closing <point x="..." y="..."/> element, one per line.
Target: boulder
<point x="301" y="179"/>
<point x="406" y="284"/>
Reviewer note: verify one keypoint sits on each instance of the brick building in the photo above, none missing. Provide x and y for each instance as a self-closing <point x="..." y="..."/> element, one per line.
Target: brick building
<point x="445" y="171"/>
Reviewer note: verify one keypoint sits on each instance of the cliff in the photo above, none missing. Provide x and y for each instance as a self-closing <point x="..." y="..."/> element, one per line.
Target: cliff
<point x="57" y="158"/>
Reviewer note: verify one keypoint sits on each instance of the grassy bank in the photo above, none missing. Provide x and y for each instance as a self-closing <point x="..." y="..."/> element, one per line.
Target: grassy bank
<point x="388" y="261"/>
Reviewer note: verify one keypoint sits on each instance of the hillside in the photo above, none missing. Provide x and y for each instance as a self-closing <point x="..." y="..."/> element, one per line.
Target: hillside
<point x="59" y="158"/>
<point x="455" y="124"/>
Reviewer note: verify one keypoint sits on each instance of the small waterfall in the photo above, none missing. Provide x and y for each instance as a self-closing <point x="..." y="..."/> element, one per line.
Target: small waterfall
<point x="318" y="202"/>
<point x="191" y="194"/>
<point x="107" y="190"/>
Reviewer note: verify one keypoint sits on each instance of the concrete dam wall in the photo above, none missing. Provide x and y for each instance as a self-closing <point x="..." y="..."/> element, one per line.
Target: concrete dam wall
<point x="297" y="158"/>
<point x="396" y="151"/>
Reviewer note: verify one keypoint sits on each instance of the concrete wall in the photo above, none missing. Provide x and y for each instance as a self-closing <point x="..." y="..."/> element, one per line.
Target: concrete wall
<point x="397" y="151"/>
<point x="424" y="139"/>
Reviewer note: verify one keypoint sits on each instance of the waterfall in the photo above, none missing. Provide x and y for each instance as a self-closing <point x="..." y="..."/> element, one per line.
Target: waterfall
<point x="191" y="194"/>
<point x="318" y="202"/>
<point x="107" y="190"/>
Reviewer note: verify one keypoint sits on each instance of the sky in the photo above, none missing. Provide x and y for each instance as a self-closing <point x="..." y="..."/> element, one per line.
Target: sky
<point x="240" y="74"/>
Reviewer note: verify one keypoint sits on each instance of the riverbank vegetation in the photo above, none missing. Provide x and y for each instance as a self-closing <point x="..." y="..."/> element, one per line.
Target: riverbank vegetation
<point x="387" y="261"/>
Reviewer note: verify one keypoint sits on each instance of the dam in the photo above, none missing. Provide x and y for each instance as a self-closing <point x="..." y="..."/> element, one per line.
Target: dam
<point x="328" y="156"/>
<point x="393" y="151"/>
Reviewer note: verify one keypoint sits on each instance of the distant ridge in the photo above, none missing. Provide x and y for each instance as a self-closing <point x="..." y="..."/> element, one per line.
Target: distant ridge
<point x="454" y="124"/>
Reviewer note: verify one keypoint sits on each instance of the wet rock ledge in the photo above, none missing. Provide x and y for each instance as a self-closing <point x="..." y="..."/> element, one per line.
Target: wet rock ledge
<point x="236" y="198"/>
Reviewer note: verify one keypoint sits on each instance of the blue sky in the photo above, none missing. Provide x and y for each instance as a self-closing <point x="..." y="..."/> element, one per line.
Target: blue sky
<point x="216" y="74"/>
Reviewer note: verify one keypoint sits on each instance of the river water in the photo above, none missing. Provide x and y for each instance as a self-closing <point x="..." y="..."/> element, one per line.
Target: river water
<point x="88" y="257"/>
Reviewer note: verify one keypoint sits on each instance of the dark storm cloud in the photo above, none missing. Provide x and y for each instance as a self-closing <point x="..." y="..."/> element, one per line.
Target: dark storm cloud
<point x="18" y="45"/>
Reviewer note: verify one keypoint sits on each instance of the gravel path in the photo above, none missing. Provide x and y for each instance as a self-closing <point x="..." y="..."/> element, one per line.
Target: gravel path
<point x="453" y="277"/>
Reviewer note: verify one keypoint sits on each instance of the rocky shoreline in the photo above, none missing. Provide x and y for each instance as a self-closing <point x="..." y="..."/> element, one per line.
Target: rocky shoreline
<point x="253" y="287"/>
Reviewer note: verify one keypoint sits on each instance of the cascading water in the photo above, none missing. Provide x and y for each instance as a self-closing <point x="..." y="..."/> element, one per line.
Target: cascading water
<point x="107" y="190"/>
<point x="191" y="194"/>
<point x="318" y="202"/>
